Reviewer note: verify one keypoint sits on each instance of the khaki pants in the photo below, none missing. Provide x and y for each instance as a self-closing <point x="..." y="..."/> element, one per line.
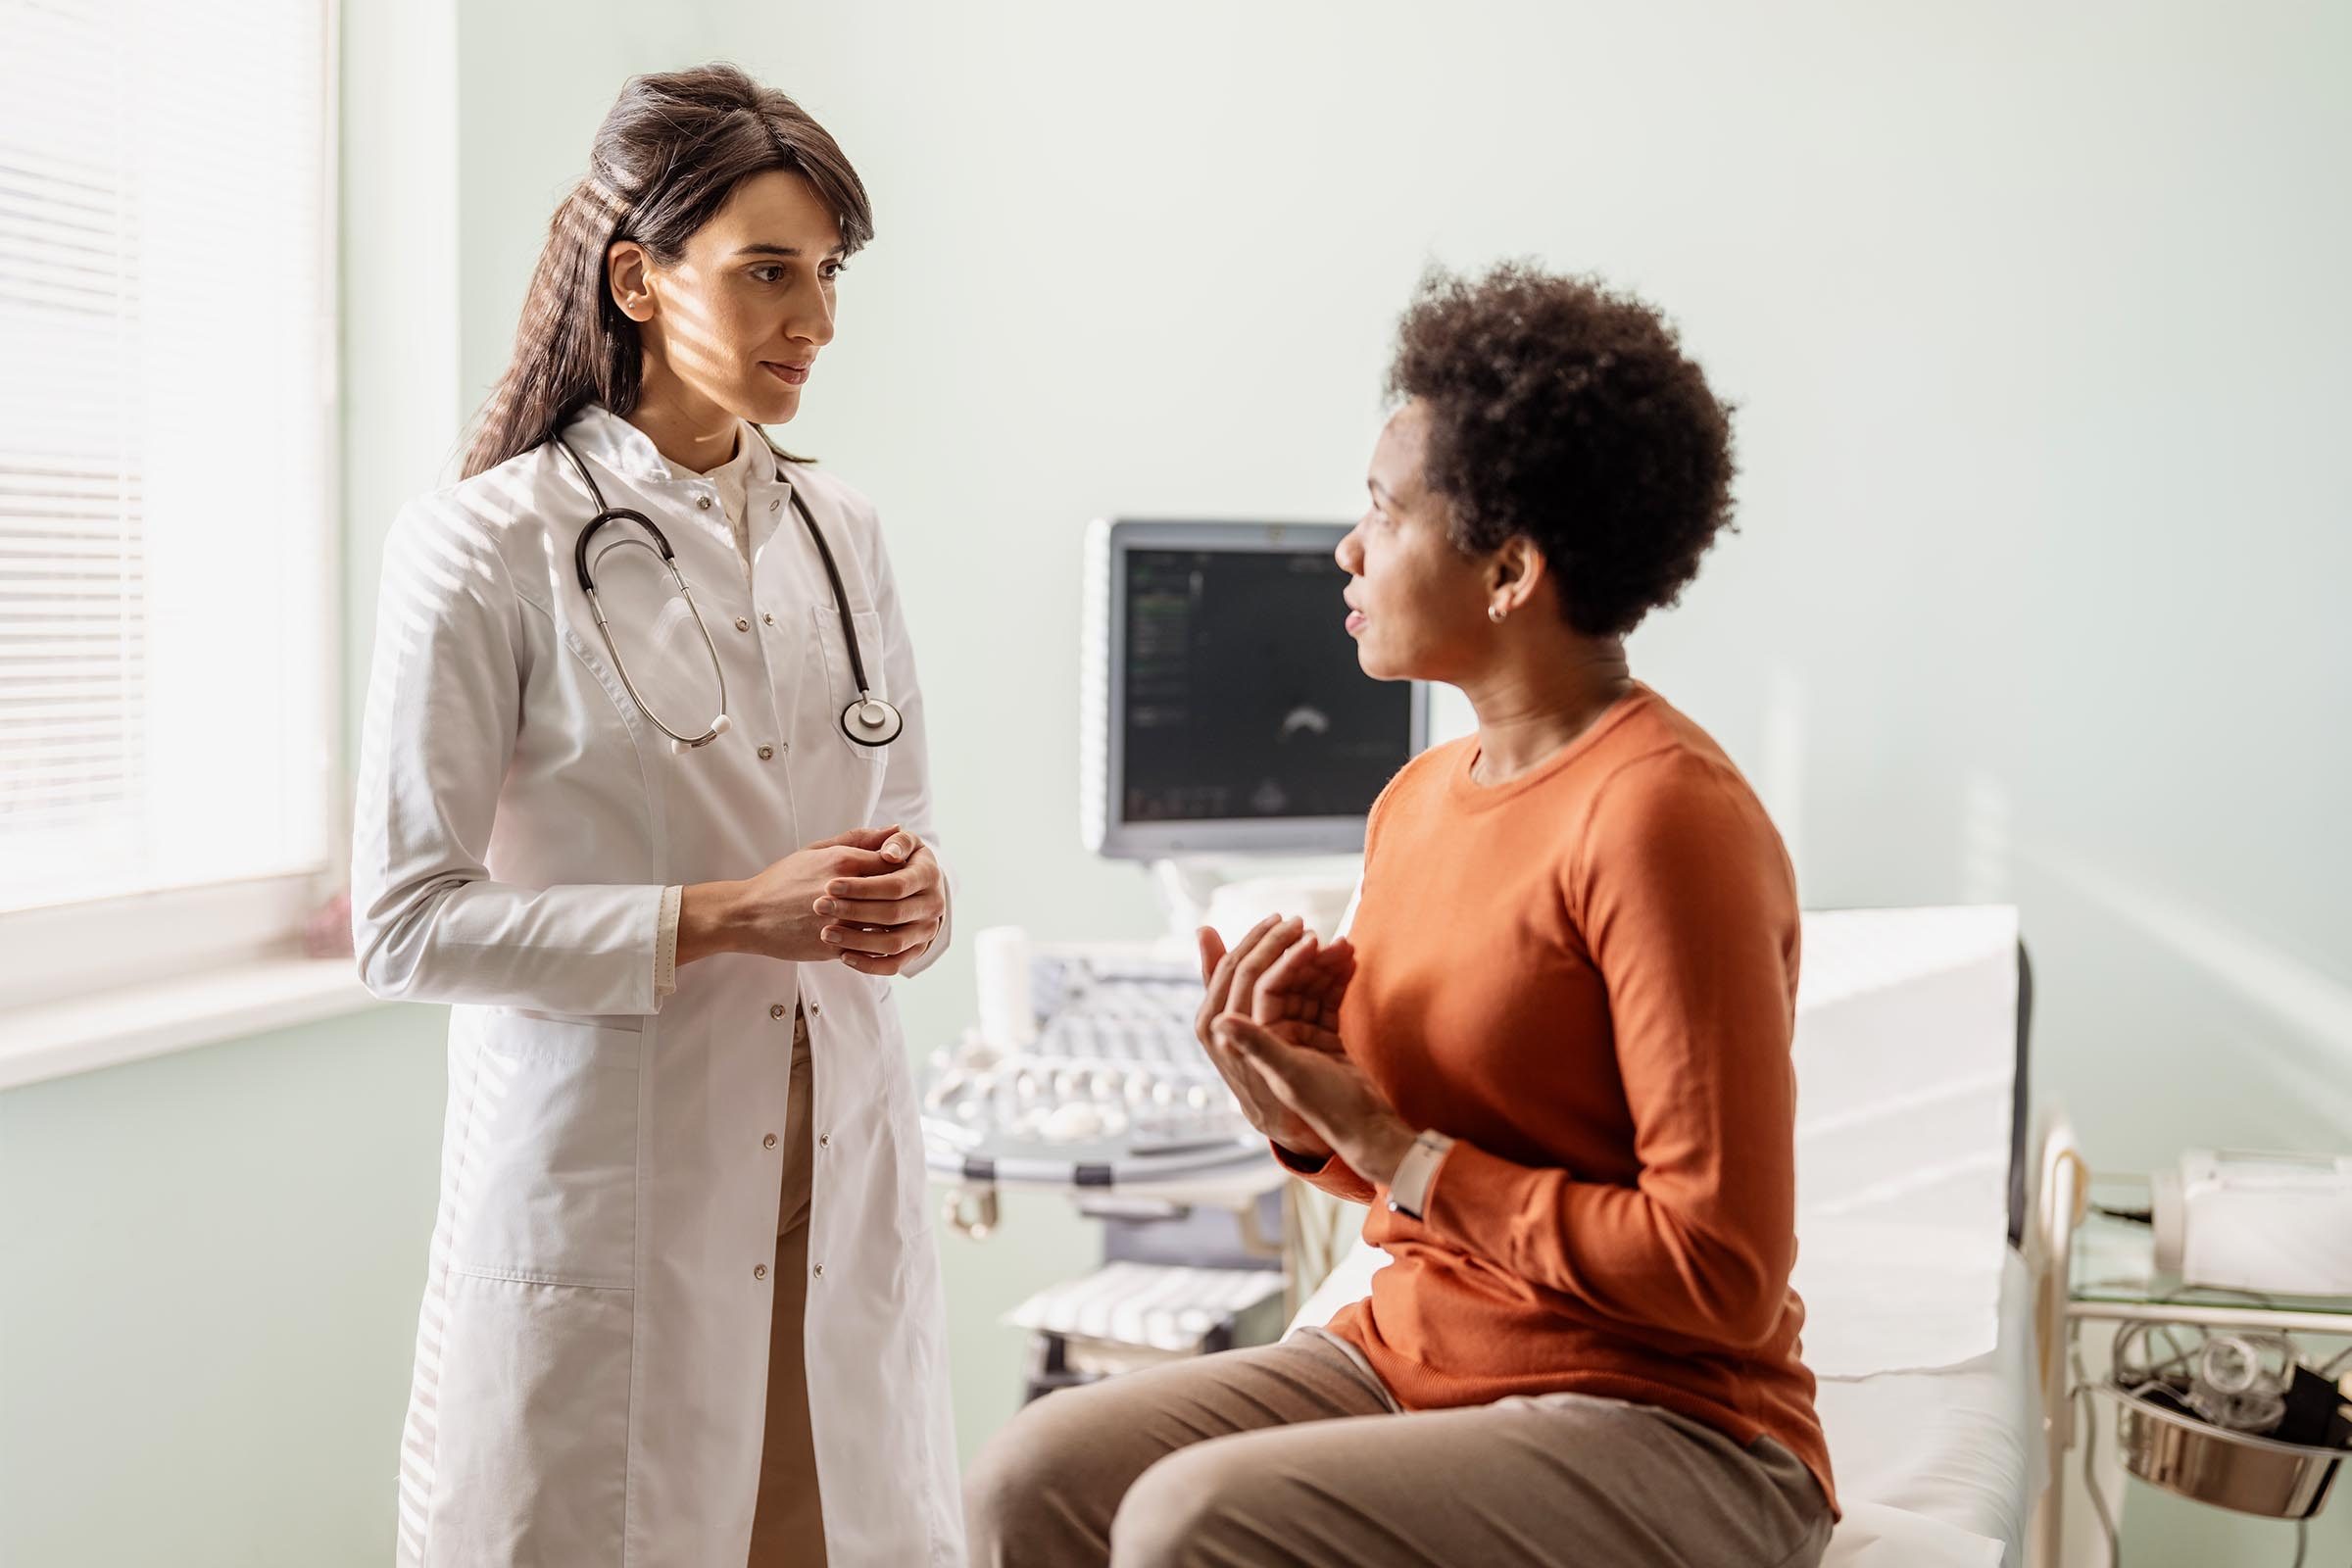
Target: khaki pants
<point x="788" y="1528"/>
<point x="1294" y="1455"/>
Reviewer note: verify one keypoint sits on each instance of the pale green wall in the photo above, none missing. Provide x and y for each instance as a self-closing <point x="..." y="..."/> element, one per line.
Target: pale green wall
<point x="210" y="1296"/>
<point x="401" y="396"/>
<point x="2037" y="321"/>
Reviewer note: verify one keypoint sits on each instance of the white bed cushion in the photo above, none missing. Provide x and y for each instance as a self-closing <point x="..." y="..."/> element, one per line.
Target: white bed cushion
<point x="1875" y="1536"/>
<point x="1959" y="1445"/>
<point x="1349" y="1281"/>
<point x="1906" y="1055"/>
<point x="1883" y="1297"/>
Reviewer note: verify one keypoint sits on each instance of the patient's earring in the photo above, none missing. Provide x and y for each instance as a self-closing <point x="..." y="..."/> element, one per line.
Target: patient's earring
<point x="1495" y="613"/>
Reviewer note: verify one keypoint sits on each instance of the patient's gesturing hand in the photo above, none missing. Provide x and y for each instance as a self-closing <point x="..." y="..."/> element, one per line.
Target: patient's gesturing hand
<point x="1327" y="1091"/>
<point x="1234" y="980"/>
<point x="1298" y="999"/>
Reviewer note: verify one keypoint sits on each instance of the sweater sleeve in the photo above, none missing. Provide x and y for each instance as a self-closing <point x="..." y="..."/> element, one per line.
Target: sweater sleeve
<point x="1688" y="908"/>
<point x="1330" y="1173"/>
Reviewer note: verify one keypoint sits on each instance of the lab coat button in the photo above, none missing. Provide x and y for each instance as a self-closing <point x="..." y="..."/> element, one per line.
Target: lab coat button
<point x="820" y="1271"/>
<point x="769" y="1141"/>
<point x="767" y="754"/>
<point x="770" y="619"/>
<point x="815" y="1009"/>
<point x="742" y="624"/>
<point x="703" y="501"/>
<point x="777" y="1010"/>
<point x="759" y="1271"/>
<point x="825" y="1141"/>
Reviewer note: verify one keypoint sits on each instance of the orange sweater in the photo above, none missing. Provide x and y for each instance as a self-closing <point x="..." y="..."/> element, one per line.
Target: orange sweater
<point x="1588" y="975"/>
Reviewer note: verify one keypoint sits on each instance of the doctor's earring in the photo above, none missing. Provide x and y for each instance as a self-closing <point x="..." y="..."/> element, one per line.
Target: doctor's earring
<point x="1495" y="613"/>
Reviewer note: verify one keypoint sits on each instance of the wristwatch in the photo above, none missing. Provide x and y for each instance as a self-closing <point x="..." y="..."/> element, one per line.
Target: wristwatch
<point x="1409" y="1189"/>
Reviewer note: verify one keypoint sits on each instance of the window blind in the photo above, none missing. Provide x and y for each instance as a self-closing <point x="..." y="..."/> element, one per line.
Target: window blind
<point x="166" y="430"/>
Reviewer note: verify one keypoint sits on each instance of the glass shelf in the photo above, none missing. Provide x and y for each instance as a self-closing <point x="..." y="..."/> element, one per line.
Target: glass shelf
<point x="2115" y="1263"/>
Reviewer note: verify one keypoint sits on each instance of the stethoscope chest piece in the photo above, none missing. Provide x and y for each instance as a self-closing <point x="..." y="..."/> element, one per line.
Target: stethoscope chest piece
<point x="871" y="721"/>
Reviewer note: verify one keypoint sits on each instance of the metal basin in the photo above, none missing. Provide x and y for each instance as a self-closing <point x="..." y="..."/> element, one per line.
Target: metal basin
<point x="2206" y="1463"/>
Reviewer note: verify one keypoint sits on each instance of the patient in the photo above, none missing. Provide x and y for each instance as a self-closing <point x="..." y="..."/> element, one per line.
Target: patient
<point x="1553" y="1055"/>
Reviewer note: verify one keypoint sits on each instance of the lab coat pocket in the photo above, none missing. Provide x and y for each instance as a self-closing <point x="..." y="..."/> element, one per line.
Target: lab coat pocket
<point x="841" y="682"/>
<point x="548" y="1191"/>
<point x="531" y="1460"/>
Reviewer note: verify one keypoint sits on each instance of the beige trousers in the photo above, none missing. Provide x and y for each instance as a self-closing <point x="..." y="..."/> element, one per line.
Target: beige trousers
<point x="788" y="1528"/>
<point x="1294" y="1455"/>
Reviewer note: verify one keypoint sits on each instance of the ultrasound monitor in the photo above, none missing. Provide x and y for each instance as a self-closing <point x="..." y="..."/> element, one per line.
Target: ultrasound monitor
<point x="1224" y="711"/>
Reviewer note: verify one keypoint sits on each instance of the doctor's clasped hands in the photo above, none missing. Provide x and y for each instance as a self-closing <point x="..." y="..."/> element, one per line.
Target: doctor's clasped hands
<point x="871" y="897"/>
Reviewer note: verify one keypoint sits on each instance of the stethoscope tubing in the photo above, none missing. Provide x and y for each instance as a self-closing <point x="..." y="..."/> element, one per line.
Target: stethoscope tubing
<point x="879" y="720"/>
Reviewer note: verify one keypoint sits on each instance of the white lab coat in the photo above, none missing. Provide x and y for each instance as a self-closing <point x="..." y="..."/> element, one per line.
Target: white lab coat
<point x="591" y="1356"/>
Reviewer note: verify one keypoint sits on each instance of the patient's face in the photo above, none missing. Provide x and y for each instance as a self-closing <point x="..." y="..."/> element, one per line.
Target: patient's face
<point x="1420" y="603"/>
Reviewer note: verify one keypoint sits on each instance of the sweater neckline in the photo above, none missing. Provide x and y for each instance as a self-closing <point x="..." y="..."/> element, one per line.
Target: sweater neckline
<point x="1467" y="793"/>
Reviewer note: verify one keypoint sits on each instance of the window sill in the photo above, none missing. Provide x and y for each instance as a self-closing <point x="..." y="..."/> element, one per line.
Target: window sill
<point x="133" y="1023"/>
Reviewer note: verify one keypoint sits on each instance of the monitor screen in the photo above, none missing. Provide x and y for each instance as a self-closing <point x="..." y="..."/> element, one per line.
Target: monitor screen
<point x="1240" y="717"/>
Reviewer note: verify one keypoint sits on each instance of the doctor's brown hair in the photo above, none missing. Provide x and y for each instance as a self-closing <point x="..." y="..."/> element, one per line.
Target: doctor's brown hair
<point x="668" y="157"/>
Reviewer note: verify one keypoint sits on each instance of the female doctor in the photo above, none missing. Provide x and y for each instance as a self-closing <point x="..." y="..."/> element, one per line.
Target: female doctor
<point x="663" y="851"/>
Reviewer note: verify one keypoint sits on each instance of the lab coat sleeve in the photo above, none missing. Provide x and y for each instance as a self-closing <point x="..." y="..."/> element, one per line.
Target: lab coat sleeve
<point x="906" y="778"/>
<point x="444" y="704"/>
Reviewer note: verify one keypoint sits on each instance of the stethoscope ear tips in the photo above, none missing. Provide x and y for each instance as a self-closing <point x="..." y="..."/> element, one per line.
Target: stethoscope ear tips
<point x="721" y="724"/>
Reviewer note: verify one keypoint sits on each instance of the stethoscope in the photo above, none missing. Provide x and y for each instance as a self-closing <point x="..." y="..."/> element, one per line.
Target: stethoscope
<point x="868" y="721"/>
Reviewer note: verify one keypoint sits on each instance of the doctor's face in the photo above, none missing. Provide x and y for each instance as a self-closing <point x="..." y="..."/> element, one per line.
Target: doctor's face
<point x="1417" y="605"/>
<point x="742" y="315"/>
